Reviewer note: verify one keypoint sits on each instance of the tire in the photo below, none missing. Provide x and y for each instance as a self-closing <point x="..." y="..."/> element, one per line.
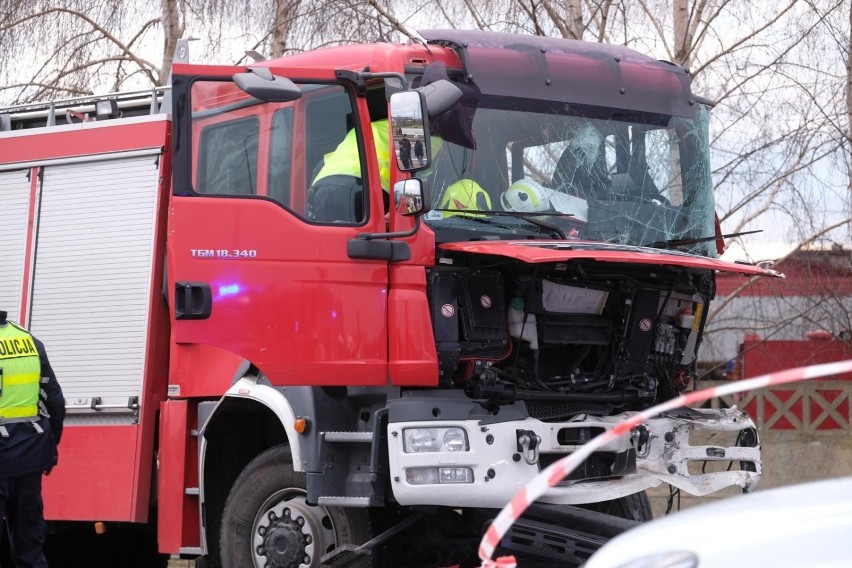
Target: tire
<point x="635" y="507"/>
<point x="268" y="523"/>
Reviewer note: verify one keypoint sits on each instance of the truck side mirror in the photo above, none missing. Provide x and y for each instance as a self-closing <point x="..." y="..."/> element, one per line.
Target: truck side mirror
<point x="260" y="83"/>
<point x="411" y="197"/>
<point x="409" y="131"/>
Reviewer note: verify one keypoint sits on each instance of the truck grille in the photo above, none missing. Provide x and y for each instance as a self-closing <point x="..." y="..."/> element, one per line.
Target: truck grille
<point x="547" y="411"/>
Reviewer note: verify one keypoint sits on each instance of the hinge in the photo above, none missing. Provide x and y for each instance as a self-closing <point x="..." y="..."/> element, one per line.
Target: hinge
<point x="355" y="78"/>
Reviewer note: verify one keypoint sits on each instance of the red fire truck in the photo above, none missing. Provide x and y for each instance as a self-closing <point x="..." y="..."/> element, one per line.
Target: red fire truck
<point x="268" y="382"/>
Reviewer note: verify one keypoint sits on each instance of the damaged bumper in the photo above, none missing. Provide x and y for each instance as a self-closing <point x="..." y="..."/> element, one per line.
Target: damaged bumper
<point x="468" y="463"/>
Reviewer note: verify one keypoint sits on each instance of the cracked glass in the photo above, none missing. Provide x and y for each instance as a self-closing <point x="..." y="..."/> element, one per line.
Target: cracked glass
<point x="551" y="169"/>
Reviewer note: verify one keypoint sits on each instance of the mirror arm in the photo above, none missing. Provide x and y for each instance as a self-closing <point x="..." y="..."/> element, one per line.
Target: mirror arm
<point x="355" y="78"/>
<point x="360" y="78"/>
<point x="262" y="72"/>
<point x="401" y="234"/>
<point x="388" y="75"/>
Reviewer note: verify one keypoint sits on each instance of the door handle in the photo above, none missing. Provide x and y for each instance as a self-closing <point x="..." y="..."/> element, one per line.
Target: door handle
<point x="193" y="300"/>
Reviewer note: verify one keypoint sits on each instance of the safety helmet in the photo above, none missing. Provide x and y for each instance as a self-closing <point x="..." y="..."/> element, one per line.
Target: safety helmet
<point x="526" y="195"/>
<point x="463" y="195"/>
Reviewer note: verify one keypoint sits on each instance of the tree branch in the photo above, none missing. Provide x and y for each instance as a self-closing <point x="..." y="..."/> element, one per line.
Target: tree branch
<point x="399" y="26"/>
<point x="658" y="27"/>
<point x="745" y="38"/>
<point x="751" y="281"/>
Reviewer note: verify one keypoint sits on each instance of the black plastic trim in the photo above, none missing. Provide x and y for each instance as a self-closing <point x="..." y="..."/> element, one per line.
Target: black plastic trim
<point x="193" y="300"/>
<point x="393" y="251"/>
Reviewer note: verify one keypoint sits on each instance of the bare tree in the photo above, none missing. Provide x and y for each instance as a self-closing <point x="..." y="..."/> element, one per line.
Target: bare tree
<point x="89" y="45"/>
<point x="173" y="20"/>
<point x="108" y="45"/>
<point x="781" y="127"/>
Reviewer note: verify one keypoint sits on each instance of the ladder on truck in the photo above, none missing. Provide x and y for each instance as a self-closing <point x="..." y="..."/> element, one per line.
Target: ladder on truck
<point x="85" y="108"/>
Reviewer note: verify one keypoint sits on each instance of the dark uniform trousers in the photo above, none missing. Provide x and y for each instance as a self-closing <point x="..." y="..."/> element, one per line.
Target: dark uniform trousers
<point x="22" y="507"/>
<point x="28" y="441"/>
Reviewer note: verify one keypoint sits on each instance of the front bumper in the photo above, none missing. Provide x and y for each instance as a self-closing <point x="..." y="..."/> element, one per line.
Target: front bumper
<point x="665" y="452"/>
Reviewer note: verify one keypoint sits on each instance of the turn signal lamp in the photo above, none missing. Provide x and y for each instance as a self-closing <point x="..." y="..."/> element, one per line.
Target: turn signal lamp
<point x="300" y="425"/>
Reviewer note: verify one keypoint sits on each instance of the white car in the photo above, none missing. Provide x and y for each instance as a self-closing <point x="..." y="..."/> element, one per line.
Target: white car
<point x="807" y="525"/>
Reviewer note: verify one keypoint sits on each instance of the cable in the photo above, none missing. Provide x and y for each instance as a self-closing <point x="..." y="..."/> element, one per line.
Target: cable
<point x="673" y="492"/>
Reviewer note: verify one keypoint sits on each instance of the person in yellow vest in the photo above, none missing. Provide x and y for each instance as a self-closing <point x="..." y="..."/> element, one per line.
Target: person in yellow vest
<point x="336" y="192"/>
<point x="32" y="411"/>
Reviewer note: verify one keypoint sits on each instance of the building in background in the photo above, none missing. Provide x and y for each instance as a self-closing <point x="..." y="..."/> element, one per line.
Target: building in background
<point x="807" y="316"/>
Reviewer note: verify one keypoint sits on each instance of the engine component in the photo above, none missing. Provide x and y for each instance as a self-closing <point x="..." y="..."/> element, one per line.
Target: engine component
<point x="643" y="312"/>
<point x="665" y="342"/>
<point x="469" y="314"/>
<point x="551" y="336"/>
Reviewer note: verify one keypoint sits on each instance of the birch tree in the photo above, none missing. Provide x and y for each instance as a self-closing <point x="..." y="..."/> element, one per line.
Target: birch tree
<point x="780" y="74"/>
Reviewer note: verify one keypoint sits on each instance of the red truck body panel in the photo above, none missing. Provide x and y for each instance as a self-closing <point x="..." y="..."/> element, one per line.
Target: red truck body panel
<point x="104" y="472"/>
<point x="323" y="295"/>
<point x="546" y="251"/>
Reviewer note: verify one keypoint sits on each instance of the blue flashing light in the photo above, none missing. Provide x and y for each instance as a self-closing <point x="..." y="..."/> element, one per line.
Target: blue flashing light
<point x="227" y="290"/>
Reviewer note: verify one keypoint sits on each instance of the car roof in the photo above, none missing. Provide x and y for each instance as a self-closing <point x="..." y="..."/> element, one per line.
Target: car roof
<point x="799" y="525"/>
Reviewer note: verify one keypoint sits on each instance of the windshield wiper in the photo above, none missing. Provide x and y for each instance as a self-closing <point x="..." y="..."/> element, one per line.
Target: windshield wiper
<point x="529" y="217"/>
<point x="686" y="242"/>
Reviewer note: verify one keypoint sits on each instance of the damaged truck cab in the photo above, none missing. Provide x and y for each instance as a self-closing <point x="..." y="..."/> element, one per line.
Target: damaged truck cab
<point x="344" y="305"/>
<point x="444" y="322"/>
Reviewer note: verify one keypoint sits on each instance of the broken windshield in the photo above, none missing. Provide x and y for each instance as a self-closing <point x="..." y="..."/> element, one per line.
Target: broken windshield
<point x="598" y="174"/>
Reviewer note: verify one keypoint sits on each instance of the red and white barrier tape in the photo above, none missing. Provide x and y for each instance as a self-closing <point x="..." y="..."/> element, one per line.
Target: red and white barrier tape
<point x="560" y="469"/>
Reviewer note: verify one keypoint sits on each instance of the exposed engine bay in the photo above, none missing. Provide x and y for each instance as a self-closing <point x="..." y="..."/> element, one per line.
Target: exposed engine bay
<point x="567" y="338"/>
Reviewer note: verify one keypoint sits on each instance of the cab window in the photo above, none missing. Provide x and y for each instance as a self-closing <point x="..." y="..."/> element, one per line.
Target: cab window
<point x="305" y="155"/>
<point x="228" y="157"/>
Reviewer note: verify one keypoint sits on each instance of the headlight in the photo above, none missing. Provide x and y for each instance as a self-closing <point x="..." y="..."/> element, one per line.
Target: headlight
<point x="427" y="440"/>
<point x="438" y="475"/>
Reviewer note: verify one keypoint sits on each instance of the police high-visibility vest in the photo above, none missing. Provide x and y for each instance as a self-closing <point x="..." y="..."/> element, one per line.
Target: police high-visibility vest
<point x="20" y="373"/>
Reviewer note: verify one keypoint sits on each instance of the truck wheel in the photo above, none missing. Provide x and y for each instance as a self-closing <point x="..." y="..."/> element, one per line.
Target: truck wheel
<point x="636" y="507"/>
<point x="267" y="521"/>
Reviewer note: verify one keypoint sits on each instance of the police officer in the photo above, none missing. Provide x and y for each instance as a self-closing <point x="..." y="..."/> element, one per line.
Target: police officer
<point x="32" y="410"/>
<point x="418" y="151"/>
<point x="405" y="152"/>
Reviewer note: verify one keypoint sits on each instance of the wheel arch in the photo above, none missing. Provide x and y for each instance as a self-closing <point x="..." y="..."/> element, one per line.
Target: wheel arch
<point x="249" y="419"/>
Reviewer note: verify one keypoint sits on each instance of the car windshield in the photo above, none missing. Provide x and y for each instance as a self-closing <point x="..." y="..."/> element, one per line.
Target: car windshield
<point x="596" y="174"/>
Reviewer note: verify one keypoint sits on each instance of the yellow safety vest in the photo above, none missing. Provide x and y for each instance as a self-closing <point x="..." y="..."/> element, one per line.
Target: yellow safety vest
<point x="345" y="160"/>
<point x="20" y="373"/>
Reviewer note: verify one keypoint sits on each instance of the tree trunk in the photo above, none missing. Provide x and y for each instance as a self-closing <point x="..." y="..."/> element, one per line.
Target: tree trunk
<point x="680" y="20"/>
<point x="285" y="13"/>
<point x="172" y="30"/>
<point x="849" y="83"/>
<point x="848" y="144"/>
<point x="575" y="19"/>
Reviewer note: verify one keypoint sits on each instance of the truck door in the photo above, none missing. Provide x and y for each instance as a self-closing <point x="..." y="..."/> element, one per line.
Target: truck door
<point x="255" y="268"/>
